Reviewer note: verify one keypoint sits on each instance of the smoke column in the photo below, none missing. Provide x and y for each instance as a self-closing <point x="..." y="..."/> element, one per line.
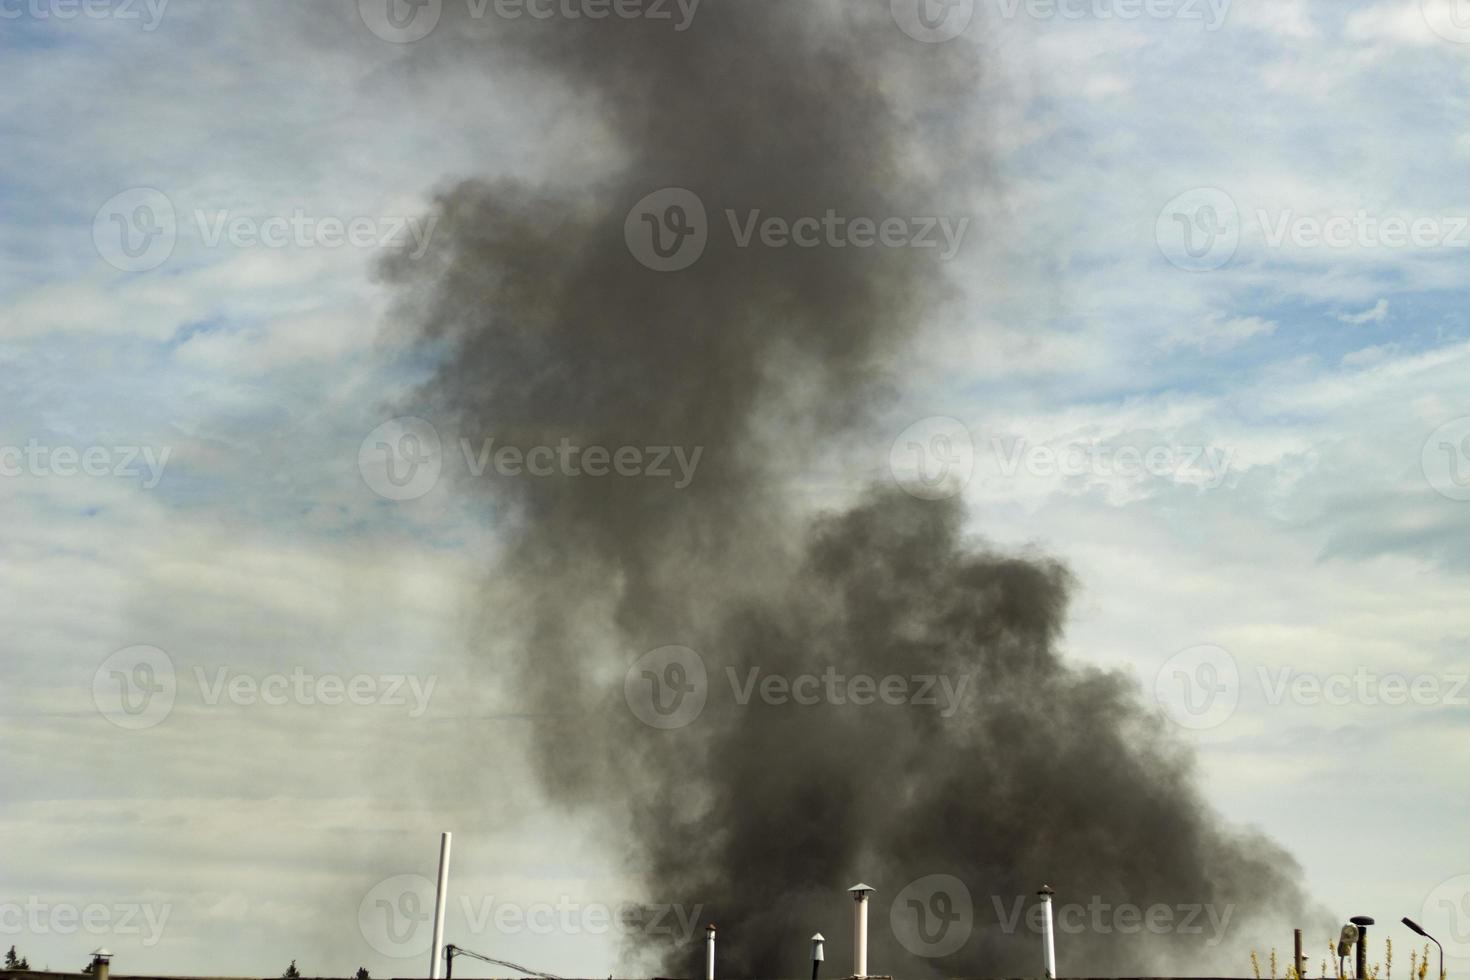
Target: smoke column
<point x="764" y="812"/>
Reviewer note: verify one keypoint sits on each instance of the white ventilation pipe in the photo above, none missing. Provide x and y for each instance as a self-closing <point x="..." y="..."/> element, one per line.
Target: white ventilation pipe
<point x="1048" y="935"/>
<point x="439" y="899"/>
<point x="860" y="893"/>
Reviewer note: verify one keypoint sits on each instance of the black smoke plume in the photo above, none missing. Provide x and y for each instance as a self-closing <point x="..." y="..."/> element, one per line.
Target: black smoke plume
<point x="764" y="812"/>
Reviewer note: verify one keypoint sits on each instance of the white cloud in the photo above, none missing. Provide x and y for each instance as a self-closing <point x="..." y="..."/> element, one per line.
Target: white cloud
<point x="1368" y="356"/>
<point x="1220" y="333"/>
<point x="1375" y="315"/>
<point x="1401" y="23"/>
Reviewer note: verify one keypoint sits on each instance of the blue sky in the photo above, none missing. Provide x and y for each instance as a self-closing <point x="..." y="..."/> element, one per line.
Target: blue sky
<point x="1332" y="380"/>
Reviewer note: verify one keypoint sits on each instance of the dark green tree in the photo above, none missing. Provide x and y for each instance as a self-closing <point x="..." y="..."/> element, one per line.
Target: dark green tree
<point x="291" y="972"/>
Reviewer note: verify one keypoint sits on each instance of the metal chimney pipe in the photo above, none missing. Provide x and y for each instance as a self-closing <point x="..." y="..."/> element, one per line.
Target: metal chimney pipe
<point x="818" y="944"/>
<point x="101" y="964"/>
<point x="439" y="899"/>
<point x="1362" y="922"/>
<point x="709" y="952"/>
<point x="860" y="893"/>
<point x="1048" y="935"/>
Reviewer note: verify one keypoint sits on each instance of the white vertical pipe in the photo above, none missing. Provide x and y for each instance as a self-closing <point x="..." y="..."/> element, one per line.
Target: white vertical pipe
<point x="1048" y="934"/>
<point x="709" y="952"/>
<point x="439" y="899"/>
<point x="860" y="930"/>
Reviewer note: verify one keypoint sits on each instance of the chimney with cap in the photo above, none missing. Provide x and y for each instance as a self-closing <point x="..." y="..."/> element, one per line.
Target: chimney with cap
<point x="1048" y="935"/>
<point x="101" y="963"/>
<point x="860" y="893"/>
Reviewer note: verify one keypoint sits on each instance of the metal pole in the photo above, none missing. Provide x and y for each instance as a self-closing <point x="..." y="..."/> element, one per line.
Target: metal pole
<point x="1297" y="958"/>
<point x="439" y="900"/>
<point x="1420" y="930"/>
<point x="817" y="954"/>
<point x="709" y="952"/>
<point x="1048" y="932"/>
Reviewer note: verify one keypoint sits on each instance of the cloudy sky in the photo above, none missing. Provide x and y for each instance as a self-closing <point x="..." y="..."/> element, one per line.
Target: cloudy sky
<point x="1213" y="354"/>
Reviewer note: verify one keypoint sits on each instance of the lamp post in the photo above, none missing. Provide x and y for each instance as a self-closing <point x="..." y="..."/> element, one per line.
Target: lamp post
<point x="817" y="954"/>
<point x="1420" y="930"/>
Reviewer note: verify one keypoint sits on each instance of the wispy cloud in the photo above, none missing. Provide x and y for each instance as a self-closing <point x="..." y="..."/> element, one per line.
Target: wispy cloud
<point x="1377" y="314"/>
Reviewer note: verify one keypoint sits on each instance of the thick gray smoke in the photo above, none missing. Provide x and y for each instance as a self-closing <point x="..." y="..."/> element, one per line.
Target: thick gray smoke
<point x="1026" y="769"/>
